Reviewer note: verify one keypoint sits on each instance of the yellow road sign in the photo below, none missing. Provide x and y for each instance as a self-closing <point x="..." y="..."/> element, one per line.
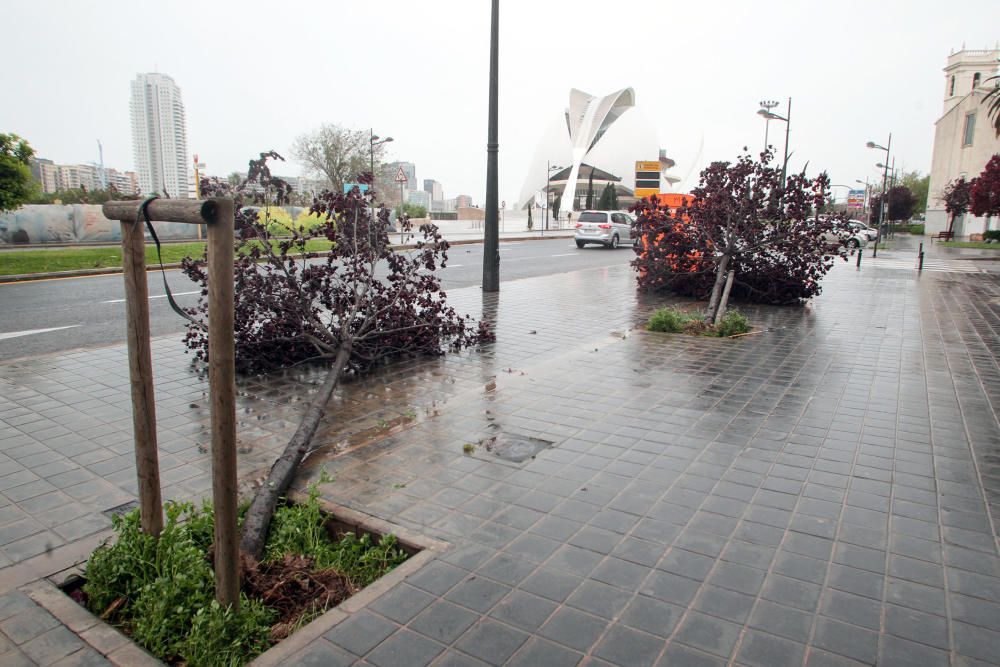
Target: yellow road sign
<point x="647" y="166"/>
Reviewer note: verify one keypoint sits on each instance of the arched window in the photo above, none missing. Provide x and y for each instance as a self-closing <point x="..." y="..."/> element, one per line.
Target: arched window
<point x="975" y="80"/>
<point x="951" y="89"/>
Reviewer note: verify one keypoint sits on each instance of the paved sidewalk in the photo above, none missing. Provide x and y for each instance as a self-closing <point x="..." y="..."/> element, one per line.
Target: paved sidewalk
<point x="818" y="493"/>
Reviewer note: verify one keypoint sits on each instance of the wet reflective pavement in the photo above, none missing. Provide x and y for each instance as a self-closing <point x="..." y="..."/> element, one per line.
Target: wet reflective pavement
<point x="817" y="493"/>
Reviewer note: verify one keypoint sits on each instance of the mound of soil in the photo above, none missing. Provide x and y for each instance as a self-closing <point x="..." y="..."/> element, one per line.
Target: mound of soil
<point x="290" y="587"/>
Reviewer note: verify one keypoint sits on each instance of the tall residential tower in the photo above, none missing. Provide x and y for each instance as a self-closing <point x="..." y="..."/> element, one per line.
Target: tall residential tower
<point x="159" y="136"/>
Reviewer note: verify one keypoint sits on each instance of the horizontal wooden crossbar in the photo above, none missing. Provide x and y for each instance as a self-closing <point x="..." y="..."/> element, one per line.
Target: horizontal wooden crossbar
<point x="191" y="211"/>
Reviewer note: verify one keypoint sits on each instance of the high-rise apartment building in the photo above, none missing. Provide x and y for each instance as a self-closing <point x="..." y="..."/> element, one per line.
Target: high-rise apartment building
<point x="159" y="135"/>
<point x="433" y="188"/>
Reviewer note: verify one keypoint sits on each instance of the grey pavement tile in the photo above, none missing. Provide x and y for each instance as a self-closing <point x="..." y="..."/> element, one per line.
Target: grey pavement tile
<point x="321" y="653"/>
<point x="478" y="594"/>
<point x="760" y="649"/>
<point x="847" y="640"/>
<point x="16" y="658"/>
<point x="624" y="646"/>
<point x="652" y="616"/>
<point x="404" y="649"/>
<point x="707" y="633"/>
<point x="787" y="622"/>
<point x="538" y="652"/>
<point x="791" y="592"/>
<point x="437" y="577"/>
<point x="669" y="587"/>
<point x="507" y="569"/>
<point x="917" y="626"/>
<point x="975" y="642"/>
<point x="402" y="603"/>
<point x="28" y="624"/>
<point x="678" y="654"/>
<point x="491" y="641"/>
<point x="551" y="584"/>
<point x="454" y="658"/>
<point x="443" y="621"/>
<point x="687" y="564"/>
<point x="574" y="629"/>
<point x="599" y="599"/>
<point x="897" y="652"/>
<point x="361" y="632"/>
<point x="851" y="608"/>
<point x="523" y="610"/>
<point x="52" y="645"/>
<point x="724" y="603"/>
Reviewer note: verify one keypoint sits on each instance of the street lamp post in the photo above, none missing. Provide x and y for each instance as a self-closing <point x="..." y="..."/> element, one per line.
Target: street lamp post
<point x="491" y="245"/>
<point x="374" y="141"/>
<point x="767" y="105"/>
<point x="548" y="180"/>
<point x="885" y="176"/>
<point x="864" y="203"/>
<point x="787" y="118"/>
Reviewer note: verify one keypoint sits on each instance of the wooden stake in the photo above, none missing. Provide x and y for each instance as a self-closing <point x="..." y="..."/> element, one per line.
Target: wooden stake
<point x="140" y="368"/>
<point x="222" y="384"/>
<point x="724" y="301"/>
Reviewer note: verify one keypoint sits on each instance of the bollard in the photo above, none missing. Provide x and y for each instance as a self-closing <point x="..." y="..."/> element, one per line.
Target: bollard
<point x="920" y="258"/>
<point x="859" y="258"/>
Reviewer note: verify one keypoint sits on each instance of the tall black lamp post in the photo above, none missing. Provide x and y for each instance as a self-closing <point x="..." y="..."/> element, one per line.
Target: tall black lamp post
<point x="549" y="168"/>
<point x="491" y="245"/>
<point x="882" y="203"/>
<point x="787" y="119"/>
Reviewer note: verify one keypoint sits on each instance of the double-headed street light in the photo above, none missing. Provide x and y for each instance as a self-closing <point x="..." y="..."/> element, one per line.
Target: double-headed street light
<point x="372" y="143"/>
<point x="885" y="177"/>
<point x="767" y="105"/>
<point x="768" y="115"/>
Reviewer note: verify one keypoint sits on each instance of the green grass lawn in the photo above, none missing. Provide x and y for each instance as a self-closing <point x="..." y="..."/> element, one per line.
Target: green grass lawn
<point x="971" y="244"/>
<point x="16" y="262"/>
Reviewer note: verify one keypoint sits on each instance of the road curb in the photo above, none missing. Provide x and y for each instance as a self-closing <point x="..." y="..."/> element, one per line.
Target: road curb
<point x="82" y="273"/>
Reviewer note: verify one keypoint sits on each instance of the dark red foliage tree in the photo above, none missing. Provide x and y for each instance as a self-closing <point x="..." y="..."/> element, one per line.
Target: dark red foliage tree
<point x="739" y="218"/>
<point x="358" y="305"/>
<point x="984" y="191"/>
<point x="956" y="199"/>
<point x="901" y="204"/>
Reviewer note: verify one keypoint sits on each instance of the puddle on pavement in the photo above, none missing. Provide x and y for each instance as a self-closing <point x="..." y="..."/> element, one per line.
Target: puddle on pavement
<point x="513" y="447"/>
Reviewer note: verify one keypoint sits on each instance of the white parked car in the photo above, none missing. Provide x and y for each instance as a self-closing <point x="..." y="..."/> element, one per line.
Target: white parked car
<point x="861" y="228"/>
<point x="609" y="228"/>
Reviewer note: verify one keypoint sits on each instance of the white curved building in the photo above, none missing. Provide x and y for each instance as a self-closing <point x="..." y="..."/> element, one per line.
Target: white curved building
<point x="608" y="133"/>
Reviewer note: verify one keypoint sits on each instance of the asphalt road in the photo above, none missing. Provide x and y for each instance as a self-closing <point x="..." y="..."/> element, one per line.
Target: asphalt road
<point x="64" y="314"/>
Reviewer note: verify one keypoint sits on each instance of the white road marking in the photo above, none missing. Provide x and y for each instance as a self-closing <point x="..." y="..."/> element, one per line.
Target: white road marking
<point x="31" y="332"/>
<point x="158" y="296"/>
<point x="568" y="254"/>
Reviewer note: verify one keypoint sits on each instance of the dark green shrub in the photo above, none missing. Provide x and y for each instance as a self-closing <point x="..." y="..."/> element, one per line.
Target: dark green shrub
<point x="915" y="229"/>
<point x="669" y="320"/>
<point x="732" y="323"/>
<point x="991" y="235"/>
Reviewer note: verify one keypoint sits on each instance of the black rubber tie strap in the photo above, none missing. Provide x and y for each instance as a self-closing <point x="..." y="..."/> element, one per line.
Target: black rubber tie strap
<point x="144" y="213"/>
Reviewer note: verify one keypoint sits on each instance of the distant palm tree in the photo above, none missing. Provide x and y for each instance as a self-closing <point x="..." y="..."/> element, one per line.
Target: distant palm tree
<point x="992" y="100"/>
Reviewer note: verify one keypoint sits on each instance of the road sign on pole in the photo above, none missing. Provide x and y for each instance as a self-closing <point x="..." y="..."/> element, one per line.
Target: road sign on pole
<point x="400" y="175"/>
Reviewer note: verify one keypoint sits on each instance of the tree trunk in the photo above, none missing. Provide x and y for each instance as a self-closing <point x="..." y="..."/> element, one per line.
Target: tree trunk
<point x="951" y="222"/>
<point x="258" y="517"/>
<point x="725" y="298"/>
<point x="720" y="276"/>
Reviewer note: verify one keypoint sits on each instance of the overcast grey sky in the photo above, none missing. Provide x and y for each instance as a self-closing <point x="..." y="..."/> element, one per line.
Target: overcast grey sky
<point x="255" y="75"/>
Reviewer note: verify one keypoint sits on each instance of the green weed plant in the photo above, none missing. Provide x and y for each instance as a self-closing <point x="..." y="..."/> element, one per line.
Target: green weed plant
<point x="161" y="591"/>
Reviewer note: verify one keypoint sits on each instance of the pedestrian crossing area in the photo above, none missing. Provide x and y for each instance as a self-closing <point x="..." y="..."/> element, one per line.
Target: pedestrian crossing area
<point x="942" y="265"/>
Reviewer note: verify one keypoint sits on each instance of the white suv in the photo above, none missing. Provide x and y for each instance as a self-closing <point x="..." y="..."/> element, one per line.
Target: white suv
<point x="609" y="228"/>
